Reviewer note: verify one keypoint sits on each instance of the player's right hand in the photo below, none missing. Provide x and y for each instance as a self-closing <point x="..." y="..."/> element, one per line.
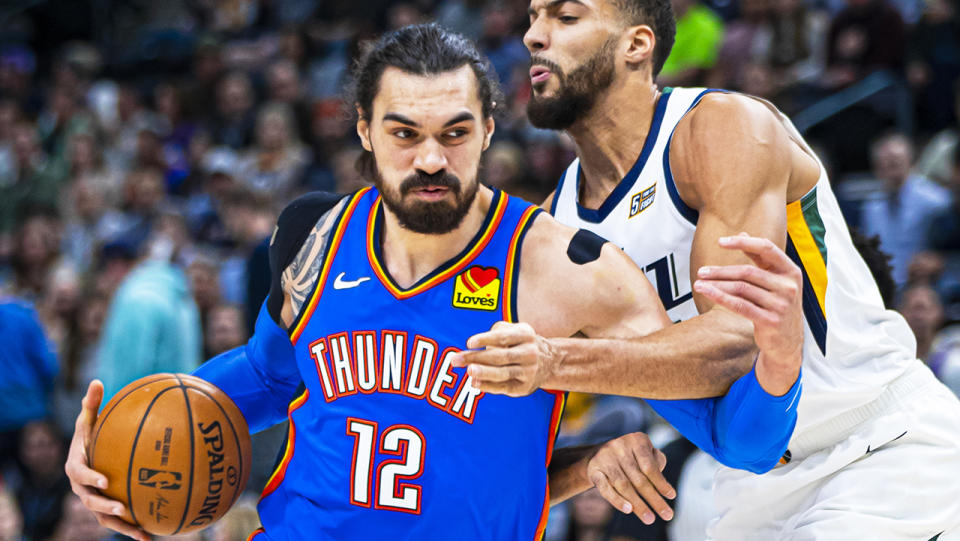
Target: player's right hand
<point x="628" y="472"/>
<point x="84" y="481"/>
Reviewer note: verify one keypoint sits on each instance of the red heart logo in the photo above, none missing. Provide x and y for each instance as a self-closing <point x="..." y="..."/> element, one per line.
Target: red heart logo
<point x="477" y="277"/>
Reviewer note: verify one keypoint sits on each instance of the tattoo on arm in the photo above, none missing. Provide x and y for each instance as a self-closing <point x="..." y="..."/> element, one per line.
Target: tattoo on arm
<point x="300" y="276"/>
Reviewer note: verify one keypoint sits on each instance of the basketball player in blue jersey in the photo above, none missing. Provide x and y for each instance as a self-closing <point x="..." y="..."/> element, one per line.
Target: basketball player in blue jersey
<point x="665" y="173"/>
<point x="375" y="293"/>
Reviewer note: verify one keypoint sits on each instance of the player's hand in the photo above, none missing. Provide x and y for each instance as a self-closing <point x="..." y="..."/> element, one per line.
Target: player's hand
<point x="768" y="294"/>
<point x="515" y="361"/>
<point x="85" y="481"/>
<point x="628" y="472"/>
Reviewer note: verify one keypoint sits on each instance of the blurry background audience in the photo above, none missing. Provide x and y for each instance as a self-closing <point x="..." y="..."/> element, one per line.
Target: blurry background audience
<point x="147" y="147"/>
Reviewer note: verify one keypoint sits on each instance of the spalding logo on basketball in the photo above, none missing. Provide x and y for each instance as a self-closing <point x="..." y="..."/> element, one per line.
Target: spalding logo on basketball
<point x="175" y="450"/>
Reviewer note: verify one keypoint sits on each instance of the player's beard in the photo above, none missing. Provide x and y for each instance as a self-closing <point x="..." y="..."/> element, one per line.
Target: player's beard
<point x="432" y="218"/>
<point x="577" y="92"/>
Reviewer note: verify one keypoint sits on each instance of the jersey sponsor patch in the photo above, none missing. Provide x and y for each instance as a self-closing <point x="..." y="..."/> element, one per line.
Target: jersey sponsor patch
<point x="477" y="288"/>
<point x="641" y="200"/>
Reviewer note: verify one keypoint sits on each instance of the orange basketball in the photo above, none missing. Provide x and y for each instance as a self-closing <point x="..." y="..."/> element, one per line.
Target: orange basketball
<point x="175" y="450"/>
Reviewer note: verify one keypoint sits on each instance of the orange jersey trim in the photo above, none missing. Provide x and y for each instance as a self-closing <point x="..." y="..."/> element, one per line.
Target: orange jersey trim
<point x="325" y="269"/>
<point x="255" y="533"/>
<point x="559" y="399"/>
<point x="277" y="477"/>
<point x="513" y="255"/>
<point x="478" y="247"/>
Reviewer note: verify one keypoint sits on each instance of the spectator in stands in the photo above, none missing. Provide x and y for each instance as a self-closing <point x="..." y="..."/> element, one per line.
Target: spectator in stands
<point x="233" y="124"/>
<point x="77" y="523"/>
<point x="937" y="160"/>
<point x="921" y="307"/>
<point x="225" y="329"/>
<point x="44" y="484"/>
<point x="590" y="517"/>
<point x="900" y="213"/>
<point x="277" y="163"/>
<point x="34" y="180"/>
<point x="868" y="35"/>
<point x="284" y="86"/>
<point x="27" y="370"/>
<point x="152" y="324"/>
<point x="36" y="252"/>
<point x="934" y="64"/>
<point x="797" y="42"/>
<point x="698" y="39"/>
<point x="745" y="39"/>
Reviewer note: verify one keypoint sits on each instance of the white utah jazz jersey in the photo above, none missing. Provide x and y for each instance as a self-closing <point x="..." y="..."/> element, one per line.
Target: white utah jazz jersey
<point x="853" y="347"/>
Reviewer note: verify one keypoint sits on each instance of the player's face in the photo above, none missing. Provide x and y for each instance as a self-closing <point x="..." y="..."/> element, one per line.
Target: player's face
<point x="426" y="134"/>
<point x="572" y="50"/>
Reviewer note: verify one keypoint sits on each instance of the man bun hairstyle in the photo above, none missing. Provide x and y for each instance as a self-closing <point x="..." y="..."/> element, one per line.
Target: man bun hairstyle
<point x="658" y="14"/>
<point x="421" y="49"/>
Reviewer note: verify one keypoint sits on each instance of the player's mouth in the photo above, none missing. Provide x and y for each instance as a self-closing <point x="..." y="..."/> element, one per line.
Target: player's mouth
<point x="539" y="75"/>
<point x="431" y="193"/>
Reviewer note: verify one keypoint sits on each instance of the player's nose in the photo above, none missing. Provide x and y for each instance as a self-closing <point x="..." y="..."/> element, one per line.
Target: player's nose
<point x="430" y="157"/>
<point x="536" y="37"/>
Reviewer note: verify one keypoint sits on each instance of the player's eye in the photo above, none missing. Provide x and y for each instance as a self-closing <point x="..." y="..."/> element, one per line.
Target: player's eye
<point x="404" y="133"/>
<point x="567" y="19"/>
<point x="456" y="133"/>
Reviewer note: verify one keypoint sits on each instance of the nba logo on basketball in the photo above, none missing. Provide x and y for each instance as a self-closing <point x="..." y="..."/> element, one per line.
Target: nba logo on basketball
<point x="477" y="288"/>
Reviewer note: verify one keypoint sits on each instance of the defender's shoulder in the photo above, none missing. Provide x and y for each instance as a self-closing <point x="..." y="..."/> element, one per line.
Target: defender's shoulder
<point x="723" y="112"/>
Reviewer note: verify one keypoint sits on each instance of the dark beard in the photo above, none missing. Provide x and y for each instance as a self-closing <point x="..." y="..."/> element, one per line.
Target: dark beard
<point x="577" y="93"/>
<point x="431" y="218"/>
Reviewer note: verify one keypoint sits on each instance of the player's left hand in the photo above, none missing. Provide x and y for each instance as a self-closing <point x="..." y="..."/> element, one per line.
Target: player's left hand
<point x="510" y="359"/>
<point x="628" y="472"/>
<point x="769" y="294"/>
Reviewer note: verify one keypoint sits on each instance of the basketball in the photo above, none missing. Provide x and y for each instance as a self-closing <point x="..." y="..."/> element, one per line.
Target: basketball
<point x="175" y="450"/>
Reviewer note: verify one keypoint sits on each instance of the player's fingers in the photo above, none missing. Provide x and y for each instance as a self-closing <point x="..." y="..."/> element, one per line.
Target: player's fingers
<point x="761" y="250"/>
<point x="91" y="403"/>
<point x="493" y="374"/>
<point x="661" y="464"/>
<point x="645" y="471"/>
<point x="507" y="388"/>
<point x="82" y="475"/>
<point x="487" y="357"/>
<point x="757" y="276"/>
<point x="749" y="292"/>
<point x="117" y="525"/>
<point x="643" y="478"/>
<point x="624" y="485"/>
<point x="502" y="335"/>
<point x="735" y="304"/>
<point x="98" y="504"/>
<point x="600" y="481"/>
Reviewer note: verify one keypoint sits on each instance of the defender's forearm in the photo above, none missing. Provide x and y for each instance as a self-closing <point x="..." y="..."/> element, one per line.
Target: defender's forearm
<point x="567" y="472"/>
<point x="697" y="358"/>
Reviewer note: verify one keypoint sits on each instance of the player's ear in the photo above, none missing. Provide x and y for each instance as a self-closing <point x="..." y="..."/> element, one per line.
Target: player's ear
<point x="641" y="42"/>
<point x="488" y="127"/>
<point x="363" y="130"/>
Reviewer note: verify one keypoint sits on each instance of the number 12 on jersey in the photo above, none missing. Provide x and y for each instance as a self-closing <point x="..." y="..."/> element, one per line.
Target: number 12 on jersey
<point x="389" y="492"/>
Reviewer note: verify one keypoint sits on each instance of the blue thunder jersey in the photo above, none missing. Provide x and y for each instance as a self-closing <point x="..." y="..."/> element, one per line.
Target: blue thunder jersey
<point x="388" y="440"/>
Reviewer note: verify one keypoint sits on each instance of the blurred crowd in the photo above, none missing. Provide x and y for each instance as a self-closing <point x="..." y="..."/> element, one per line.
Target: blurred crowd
<point x="147" y="147"/>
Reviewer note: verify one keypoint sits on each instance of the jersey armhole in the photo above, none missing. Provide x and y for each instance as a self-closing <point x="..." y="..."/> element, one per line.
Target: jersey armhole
<point x="294" y="226"/>
<point x="512" y="268"/>
<point x="687" y="212"/>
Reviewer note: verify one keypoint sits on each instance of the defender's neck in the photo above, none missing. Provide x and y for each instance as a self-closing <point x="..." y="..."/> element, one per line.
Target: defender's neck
<point x="610" y="137"/>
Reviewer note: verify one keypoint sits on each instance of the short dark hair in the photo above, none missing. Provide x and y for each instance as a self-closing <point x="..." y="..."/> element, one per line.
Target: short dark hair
<point x="422" y="49"/>
<point x="878" y="262"/>
<point x="658" y="14"/>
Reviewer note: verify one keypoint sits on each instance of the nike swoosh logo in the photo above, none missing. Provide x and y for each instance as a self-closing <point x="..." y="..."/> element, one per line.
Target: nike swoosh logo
<point x="869" y="450"/>
<point x="340" y="283"/>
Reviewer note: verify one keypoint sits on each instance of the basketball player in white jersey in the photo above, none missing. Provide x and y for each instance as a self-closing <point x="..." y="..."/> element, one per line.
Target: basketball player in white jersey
<point x="664" y="173"/>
